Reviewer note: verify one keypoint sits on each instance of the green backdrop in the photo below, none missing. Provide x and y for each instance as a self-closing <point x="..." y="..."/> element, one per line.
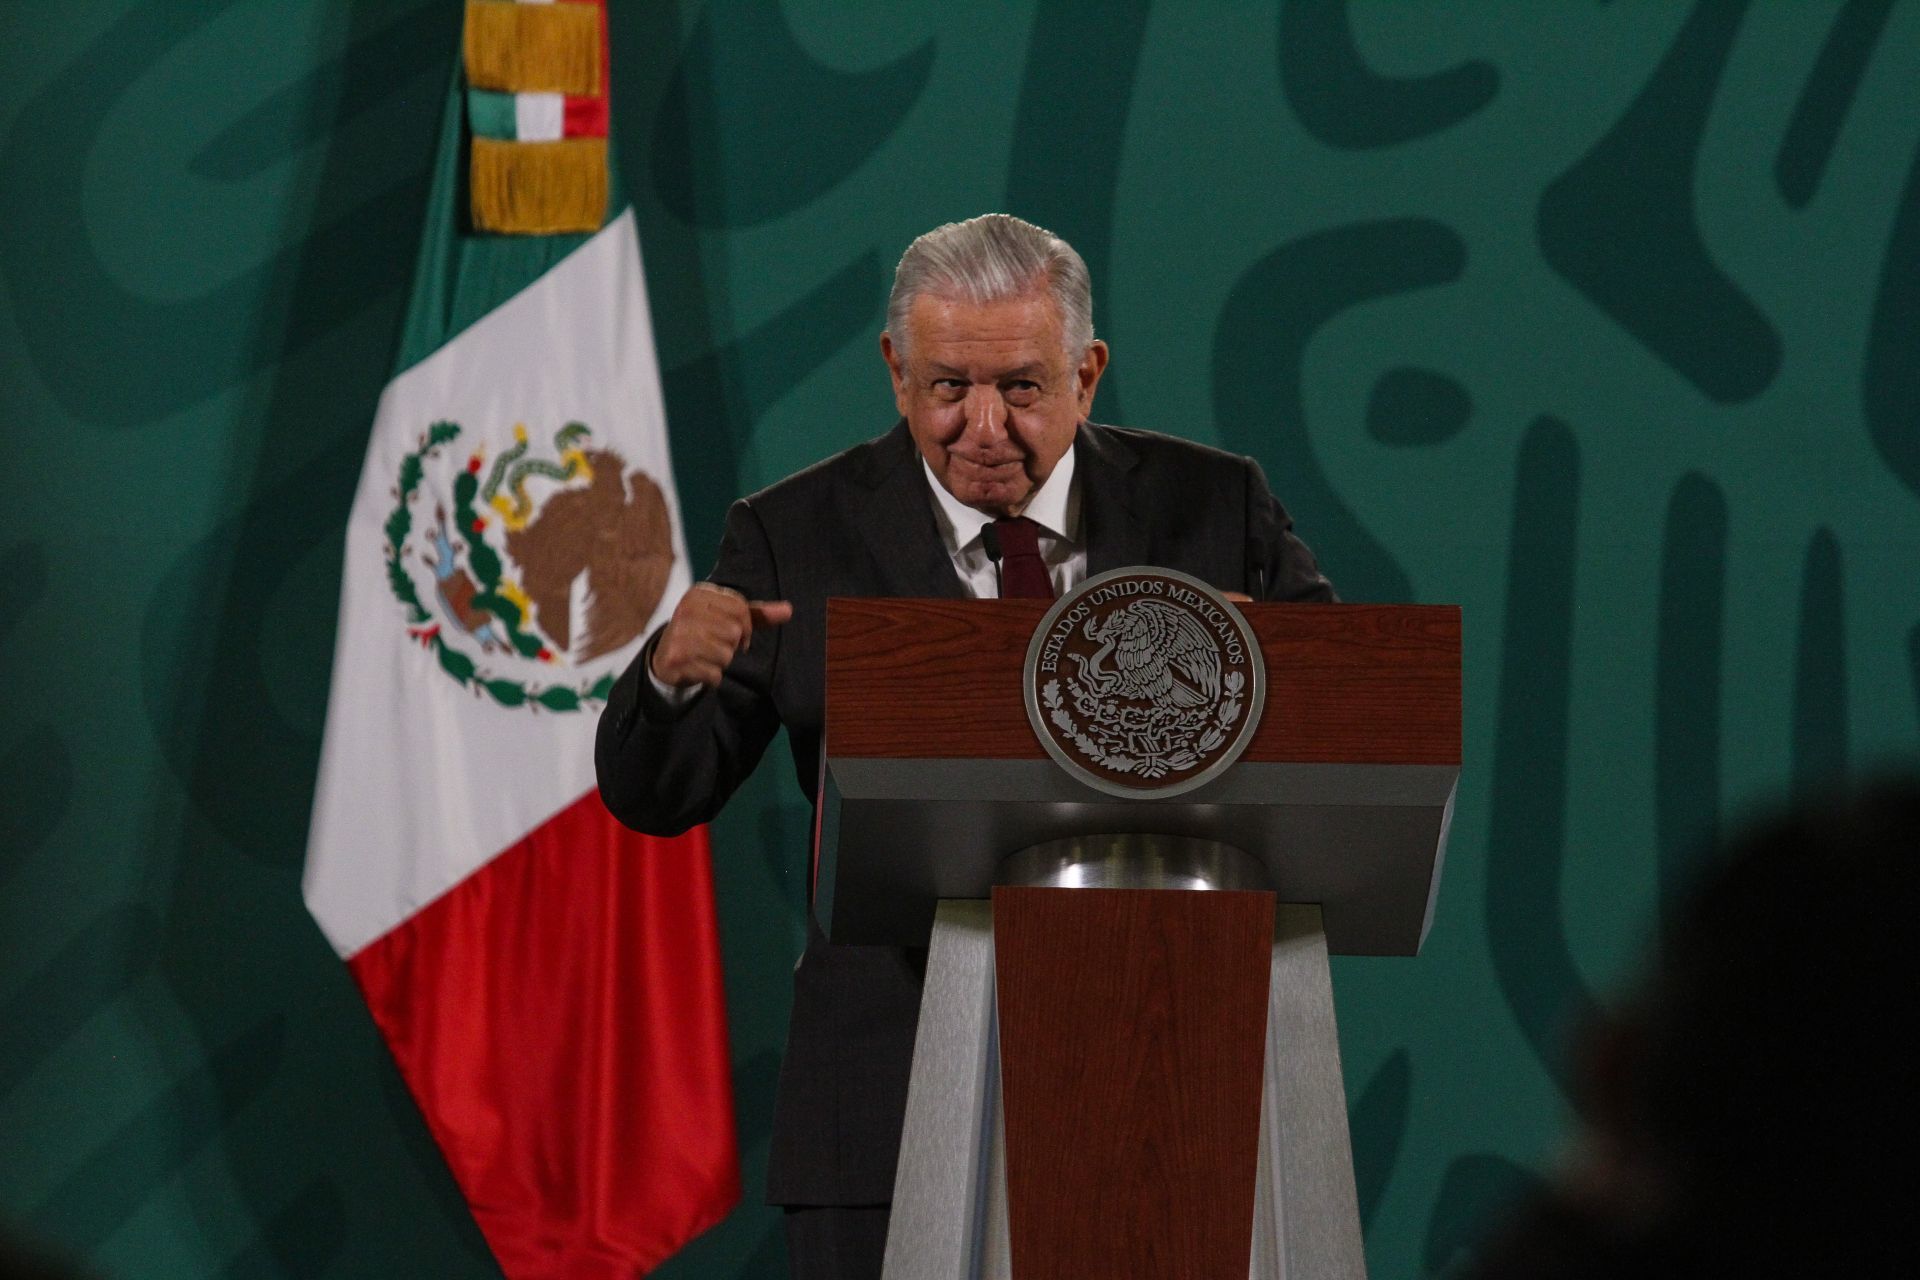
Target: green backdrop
<point x="1598" y="319"/>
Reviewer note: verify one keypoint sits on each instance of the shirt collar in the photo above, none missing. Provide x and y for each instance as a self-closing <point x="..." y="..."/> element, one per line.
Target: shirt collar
<point x="1055" y="507"/>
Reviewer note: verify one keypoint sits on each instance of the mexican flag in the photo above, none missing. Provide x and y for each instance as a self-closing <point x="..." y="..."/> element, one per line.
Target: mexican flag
<point x="548" y="981"/>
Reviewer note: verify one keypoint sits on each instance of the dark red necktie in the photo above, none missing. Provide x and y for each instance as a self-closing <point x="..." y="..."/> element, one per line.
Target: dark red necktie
<point x="1023" y="574"/>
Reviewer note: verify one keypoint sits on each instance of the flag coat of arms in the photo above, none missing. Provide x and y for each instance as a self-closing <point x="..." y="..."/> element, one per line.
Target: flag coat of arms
<point x="548" y="981"/>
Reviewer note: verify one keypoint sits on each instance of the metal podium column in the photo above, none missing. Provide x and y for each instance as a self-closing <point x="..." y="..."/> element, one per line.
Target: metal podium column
<point x="1306" y="1211"/>
<point x="949" y="1217"/>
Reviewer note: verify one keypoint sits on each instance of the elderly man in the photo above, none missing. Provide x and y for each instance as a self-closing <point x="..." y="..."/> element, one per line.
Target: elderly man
<point x="993" y="484"/>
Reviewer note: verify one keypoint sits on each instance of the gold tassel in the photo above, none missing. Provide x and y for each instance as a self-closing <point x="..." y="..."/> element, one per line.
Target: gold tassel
<point x="533" y="48"/>
<point x="539" y="188"/>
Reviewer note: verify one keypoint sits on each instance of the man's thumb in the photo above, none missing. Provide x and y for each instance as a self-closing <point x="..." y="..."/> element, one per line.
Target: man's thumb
<point x="769" y="613"/>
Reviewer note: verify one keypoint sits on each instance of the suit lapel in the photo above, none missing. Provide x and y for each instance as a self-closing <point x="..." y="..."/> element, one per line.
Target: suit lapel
<point x="1111" y="511"/>
<point x="895" y="517"/>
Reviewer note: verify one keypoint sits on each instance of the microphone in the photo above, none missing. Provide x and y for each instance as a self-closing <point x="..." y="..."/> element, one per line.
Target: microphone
<point x="990" y="539"/>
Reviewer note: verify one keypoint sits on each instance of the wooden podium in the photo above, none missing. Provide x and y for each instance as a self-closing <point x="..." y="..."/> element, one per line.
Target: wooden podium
<point x="1114" y="1074"/>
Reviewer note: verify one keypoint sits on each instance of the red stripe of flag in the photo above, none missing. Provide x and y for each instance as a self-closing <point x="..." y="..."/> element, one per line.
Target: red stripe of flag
<point x="560" y="1019"/>
<point x="583" y="116"/>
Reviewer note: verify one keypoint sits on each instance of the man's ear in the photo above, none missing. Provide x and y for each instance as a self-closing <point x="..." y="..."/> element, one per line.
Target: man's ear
<point x="896" y="370"/>
<point x="1087" y="376"/>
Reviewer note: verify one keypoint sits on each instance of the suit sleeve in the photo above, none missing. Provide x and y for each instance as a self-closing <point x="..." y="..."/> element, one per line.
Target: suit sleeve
<point x="663" y="769"/>
<point x="1279" y="565"/>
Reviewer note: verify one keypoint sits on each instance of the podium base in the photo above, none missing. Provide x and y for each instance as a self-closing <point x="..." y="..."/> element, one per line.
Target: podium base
<point x="950" y="1194"/>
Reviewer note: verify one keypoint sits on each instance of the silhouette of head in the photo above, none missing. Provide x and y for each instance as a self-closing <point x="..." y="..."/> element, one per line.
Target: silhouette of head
<point x="1748" y="1107"/>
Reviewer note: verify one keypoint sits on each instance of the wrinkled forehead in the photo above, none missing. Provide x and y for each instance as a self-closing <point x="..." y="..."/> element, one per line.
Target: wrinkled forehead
<point x="1001" y="335"/>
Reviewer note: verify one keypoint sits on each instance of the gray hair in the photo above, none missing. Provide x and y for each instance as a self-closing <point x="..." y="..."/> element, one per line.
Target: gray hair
<point x="990" y="258"/>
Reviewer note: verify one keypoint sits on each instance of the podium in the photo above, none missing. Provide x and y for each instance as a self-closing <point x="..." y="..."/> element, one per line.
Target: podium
<point x="1126" y="1061"/>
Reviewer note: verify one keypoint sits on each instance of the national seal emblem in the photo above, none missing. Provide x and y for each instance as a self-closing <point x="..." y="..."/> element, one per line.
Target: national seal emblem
<point x="1144" y="682"/>
<point x="523" y="571"/>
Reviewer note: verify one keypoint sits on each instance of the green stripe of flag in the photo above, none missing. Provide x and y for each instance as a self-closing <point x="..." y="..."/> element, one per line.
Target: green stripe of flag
<point x="491" y="115"/>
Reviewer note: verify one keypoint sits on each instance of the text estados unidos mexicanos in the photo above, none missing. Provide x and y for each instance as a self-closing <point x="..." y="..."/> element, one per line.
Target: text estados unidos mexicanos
<point x="1221" y="625"/>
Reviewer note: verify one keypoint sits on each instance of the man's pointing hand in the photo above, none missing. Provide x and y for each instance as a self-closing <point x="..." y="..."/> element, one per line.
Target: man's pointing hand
<point x="709" y="627"/>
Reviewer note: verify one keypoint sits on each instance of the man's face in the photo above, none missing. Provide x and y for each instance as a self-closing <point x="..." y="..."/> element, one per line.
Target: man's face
<point x="990" y="395"/>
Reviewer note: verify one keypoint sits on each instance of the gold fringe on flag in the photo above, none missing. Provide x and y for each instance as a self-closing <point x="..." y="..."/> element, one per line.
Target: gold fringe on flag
<point x="533" y="48"/>
<point x="539" y="188"/>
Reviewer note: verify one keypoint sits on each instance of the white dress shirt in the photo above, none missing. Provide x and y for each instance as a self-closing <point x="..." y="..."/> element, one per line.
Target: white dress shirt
<point x="1055" y="507"/>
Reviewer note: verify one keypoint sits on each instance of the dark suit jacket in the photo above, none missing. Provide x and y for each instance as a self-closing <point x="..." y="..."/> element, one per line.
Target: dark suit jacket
<point x="861" y="523"/>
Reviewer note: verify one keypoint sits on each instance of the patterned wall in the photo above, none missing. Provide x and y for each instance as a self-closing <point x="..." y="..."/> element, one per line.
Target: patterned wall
<point x="1598" y="319"/>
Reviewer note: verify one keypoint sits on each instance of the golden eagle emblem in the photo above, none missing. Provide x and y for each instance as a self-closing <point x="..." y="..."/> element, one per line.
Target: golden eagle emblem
<point x="533" y="561"/>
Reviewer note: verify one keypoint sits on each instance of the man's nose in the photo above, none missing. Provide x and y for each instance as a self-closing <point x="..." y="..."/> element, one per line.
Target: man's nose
<point x="986" y="415"/>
